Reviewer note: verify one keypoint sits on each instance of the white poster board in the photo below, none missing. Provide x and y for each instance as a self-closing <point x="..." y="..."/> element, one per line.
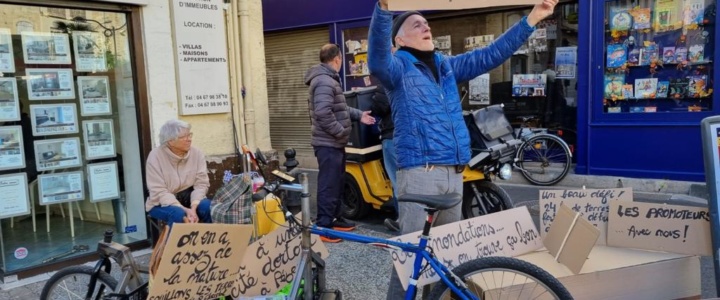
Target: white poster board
<point x="11" y="148"/>
<point x="57" y="154"/>
<point x="103" y="181"/>
<point x="94" y="94"/>
<point x="99" y="138"/>
<point x="46" y="48"/>
<point x="90" y="51"/>
<point x="14" y="198"/>
<point x="505" y="233"/>
<point x="201" y="54"/>
<point x="53" y="119"/>
<point x="61" y="187"/>
<point x="7" y="58"/>
<point x="9" y="103"/>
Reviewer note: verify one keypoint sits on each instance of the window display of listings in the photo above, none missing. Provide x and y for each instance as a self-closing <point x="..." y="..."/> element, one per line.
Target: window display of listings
<point x="659" y="56"/>
<point x="61" y="72"/>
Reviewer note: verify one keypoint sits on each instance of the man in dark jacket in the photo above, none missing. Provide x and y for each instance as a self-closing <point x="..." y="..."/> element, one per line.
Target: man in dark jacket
<point x="331" y="126"/>
<point x="432" y="143"/>
<point x="381" y="108"/>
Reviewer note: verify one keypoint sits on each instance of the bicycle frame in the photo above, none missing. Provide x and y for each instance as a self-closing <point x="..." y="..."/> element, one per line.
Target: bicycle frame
<point x="130" y="270"/>
<point x="421" y="254"/>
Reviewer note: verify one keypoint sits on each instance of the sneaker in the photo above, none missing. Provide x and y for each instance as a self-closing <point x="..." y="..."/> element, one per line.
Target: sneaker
<point x="330" y="240"/>
<point x="343" y="225"/>
<point x="392" y="225"/>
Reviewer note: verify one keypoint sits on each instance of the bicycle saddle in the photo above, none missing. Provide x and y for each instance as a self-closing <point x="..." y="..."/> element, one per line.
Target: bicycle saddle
<point x="433" y="201"/>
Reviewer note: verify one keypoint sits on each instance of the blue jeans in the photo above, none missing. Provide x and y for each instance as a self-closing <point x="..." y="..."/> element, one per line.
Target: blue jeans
<point x="390" y="161"/>
<point x="173" y="214"/>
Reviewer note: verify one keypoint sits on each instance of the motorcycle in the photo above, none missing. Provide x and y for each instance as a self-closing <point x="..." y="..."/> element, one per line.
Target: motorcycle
<point x="493" y="144"/>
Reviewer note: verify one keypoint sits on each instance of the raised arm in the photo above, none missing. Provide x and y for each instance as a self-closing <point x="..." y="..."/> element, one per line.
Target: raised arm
<point x="472" y="64"/>
<point x="381" y="62"/>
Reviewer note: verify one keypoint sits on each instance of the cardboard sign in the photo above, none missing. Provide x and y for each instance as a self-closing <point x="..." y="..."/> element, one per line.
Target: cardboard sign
<point x="593" y="206"/>
<point x="270" y="262"/>
<point x="401" y="5"/>
<point x="200" y="261"/>
<point x="660" y="227"/>
<point x="571" y="238"/>
<point x="505" y="233"/>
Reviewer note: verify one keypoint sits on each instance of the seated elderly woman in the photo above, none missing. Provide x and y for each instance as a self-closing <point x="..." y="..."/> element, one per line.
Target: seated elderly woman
<point x="177" y="177"/>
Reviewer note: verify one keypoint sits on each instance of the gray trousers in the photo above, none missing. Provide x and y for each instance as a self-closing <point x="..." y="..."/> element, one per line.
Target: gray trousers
<point x="438" y="180"/>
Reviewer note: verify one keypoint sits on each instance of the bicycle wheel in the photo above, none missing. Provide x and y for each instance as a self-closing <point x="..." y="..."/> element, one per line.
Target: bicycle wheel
<point x="544" y="159"/>
<point x="72" y="283"/>
<point x="482" y="198"/>
<point x="504" y="278"/>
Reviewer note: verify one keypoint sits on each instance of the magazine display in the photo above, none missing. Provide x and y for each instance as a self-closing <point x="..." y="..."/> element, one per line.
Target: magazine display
<point x="614" y="86"/>
<point x="645" y="88"/>
<point x="46" y="48"/>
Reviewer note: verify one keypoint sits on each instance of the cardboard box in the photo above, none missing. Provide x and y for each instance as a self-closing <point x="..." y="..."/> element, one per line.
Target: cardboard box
<point x="620" y="273"/>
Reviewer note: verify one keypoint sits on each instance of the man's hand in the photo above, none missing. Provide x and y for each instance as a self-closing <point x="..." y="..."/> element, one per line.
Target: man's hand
<point x="367" y="119"/>
<point x="191" y="214"/>
<point x="540" y="11"/>
<point x="383" y="4"/>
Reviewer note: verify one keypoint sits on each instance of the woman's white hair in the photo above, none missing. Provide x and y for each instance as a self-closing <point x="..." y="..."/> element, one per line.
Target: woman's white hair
<point x="172" y="129"/>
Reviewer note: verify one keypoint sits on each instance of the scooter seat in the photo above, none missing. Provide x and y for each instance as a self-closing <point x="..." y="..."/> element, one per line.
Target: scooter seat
<point x="433" y="201"/>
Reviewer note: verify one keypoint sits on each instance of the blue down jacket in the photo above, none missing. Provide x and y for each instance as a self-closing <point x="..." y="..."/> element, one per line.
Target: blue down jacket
<point x="429" y="127"/>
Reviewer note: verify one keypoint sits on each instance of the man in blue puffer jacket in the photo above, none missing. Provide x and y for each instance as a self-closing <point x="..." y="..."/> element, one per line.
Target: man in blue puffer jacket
<point x="432" y="143"/>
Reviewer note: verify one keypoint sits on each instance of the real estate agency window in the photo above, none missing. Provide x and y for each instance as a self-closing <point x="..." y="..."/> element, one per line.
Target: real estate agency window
<point x="69" y="146"/>
<point x="659" y="56"/>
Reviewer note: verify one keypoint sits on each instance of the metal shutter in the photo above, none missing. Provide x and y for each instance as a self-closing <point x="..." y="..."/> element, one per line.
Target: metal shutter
<point x="288" y="55"/>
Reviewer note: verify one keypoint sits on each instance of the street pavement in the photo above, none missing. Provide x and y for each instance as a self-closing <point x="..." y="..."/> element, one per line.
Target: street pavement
<point x="362" y="272"/>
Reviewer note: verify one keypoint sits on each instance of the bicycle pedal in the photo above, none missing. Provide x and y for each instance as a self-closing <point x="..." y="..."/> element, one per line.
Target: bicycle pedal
<point x="331" y="295"/>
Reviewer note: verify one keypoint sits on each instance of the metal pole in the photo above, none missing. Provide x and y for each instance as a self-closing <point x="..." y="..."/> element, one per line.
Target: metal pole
<point x="710" y="128"/>
<point x="305" y="237"/>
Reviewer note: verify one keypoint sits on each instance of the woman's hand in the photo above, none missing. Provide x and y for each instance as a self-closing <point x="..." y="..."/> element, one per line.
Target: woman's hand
<point x="541" y="11"/>
<point x="383" y="4"/>
<point x="191" y="214"/>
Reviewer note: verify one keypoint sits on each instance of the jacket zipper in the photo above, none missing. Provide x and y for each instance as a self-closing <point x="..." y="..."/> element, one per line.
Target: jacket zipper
<point x="438" y="83"/>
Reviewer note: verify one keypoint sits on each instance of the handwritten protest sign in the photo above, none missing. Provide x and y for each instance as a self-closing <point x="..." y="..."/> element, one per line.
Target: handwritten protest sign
<point x="505" y="233"/>
<point x="593" y="206"/>
<point x="200" y="261"/>
<point x="270" y="262"/>
<point x="399" y="5"/>
<point x="660" y="227"/>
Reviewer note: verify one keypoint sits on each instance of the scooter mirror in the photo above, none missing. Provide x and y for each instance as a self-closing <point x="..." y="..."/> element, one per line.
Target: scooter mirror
<point x="259" y="156"/>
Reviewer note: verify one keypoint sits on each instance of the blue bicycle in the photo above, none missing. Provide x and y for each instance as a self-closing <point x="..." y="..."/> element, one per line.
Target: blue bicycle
<point x="483" y="278"/>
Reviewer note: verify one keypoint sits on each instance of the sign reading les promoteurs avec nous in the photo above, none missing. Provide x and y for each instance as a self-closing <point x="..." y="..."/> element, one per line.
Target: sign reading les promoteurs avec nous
<point x="200" y="261"/>
<point x="505" y="233"/>
<point x="201" y="53"/>
<point x="660" y="227"/>
<point x="399" y="5"/>
<point x="593" y="206"/>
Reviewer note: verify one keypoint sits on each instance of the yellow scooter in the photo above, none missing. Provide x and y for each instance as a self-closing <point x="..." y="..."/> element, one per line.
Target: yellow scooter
<point x="367" y="185"/>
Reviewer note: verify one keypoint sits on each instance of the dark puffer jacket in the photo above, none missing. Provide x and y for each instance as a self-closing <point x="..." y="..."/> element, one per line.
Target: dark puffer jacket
<point x="331" y="117"/>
